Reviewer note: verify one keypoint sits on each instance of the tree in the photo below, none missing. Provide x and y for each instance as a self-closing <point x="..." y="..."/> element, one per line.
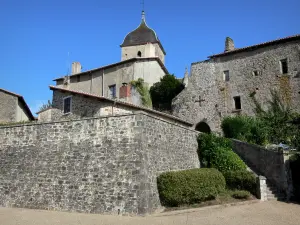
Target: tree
<point x="164" y="91"/>
<point x="46" y="106"/>
<point x="276" y="119"/>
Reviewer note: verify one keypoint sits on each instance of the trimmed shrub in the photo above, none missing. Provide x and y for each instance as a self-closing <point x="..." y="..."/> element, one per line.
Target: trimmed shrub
<point x="207" y="143"/>
<point x="241" y="194"/>
<point x="240" y="180"/>
<point x="224" y="159"/>
<point x="189" y="186"/>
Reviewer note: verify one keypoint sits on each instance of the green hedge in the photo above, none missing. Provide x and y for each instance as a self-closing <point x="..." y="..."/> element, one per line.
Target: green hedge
<point x="224" y="159"/>
<point x="241" y="194"/>
<point x="241" y="180"/>
<point x="216" y="152"/>
<point x="207" y="143"/>
<point x="189" y="186"/>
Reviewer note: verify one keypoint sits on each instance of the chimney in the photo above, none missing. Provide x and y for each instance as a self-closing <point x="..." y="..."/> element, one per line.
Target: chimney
<point x="76" y="67"/>
<point x="125" y="91"/>
<point x="229" y="45"/>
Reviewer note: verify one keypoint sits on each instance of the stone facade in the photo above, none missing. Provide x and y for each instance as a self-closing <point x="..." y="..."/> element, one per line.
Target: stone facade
<point x="97" y="165"/>
<point x="13" y="108"/>
<point x="8" y="107"/>
<point x="274" y="165"/>
<point x="85" y="105"/>
<point x="147" y="50"/>
<point x="214" y="83"/>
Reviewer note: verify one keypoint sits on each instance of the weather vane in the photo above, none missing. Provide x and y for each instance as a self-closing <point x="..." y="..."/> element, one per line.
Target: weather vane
<point x="143" y="4"/>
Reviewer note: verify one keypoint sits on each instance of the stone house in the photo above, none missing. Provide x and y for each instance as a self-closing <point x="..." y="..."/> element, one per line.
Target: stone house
<point x="142" y="56"/>
<point x="73" y="105"/>
<point x="13" y="108"/>
<point x="224" y="84"/>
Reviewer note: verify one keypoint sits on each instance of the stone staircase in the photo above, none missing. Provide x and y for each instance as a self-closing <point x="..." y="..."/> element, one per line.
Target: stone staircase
<point x="273" y="194"/>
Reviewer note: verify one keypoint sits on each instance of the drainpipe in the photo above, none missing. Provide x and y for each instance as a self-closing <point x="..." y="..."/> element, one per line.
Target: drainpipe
<point x="91" y="86"/>
<point x="103" y="83"/>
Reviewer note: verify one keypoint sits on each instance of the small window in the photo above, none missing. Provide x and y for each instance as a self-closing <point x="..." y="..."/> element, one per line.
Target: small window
<point x="284" y="66"/>
<point x="112" y="91"/>
<point x="78" y="78"/>
<point x="226" y="75"/>
<point x="139" y="54"/>
<point x="255" y="73"/>
<point x="67" y="105"/>
<point x="237" y="102"/>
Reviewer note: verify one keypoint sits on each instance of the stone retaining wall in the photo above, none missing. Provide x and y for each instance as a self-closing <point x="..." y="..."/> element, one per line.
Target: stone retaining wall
<point x="96" y="165"/>
<point x="274" y="165"/>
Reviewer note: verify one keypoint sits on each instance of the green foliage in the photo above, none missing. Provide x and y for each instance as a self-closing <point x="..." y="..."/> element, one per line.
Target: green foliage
<point x="189" y="186"/>
<point x="143" y="90"/>
<point x="164" y="91"/>
<point x="241" y="194"/>
<point x="224" y="159"/>
<point x="240" y="180"/>
<point x="45" y="106"/>
<point x="245" y="128"/>
<point x="16" y="123"/>
<point x="276" y="119"/>
<point x="216" y="152"/>
<point x="295" y="168"/>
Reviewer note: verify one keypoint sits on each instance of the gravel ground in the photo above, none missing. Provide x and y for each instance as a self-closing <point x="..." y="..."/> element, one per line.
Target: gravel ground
<point x="261" y="213"/>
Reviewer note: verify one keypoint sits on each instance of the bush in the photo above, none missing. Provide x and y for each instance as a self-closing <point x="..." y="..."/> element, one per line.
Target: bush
<point x="245" y="128"/>
<point x="240" y="180"/>
<point x="189" y="186"/>
<point x="207" y="143"/>
<point x="241" y="194"/>
<point x="224" y="159"/>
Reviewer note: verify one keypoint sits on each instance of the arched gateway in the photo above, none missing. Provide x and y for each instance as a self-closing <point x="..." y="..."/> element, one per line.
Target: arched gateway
<point x="203" y="127"/>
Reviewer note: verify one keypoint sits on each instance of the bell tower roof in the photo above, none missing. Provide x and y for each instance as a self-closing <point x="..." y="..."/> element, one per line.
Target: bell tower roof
<point x="141" y="35"/>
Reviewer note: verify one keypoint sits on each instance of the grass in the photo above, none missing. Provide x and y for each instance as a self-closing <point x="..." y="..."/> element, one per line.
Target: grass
<point x="223" y="198"/>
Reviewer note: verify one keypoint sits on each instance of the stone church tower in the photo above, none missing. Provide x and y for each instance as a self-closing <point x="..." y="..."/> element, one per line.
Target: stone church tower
<point x="142" y="42"/>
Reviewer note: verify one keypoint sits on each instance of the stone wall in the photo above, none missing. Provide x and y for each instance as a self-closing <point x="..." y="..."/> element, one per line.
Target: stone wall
<point x="96" y="165"/>
<point x="8" y="107"/>
<point x="274" y="165"/>
<point x="217" y="95"/>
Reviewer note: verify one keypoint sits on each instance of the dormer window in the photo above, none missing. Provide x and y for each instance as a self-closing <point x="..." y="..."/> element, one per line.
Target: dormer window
<point x="139" y="54"/>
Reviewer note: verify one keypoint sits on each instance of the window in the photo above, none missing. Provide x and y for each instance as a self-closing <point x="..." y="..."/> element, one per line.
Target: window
<point x="112" y="91"/>
<point x="237" y="102"/>
<point x="255" y="73"/>
<point x="284" y="66"/>
<point x="78" y="78"/>
<point x="226" y="75"/>
<point x="67" y="105"/>
<point x="139" y="54"/>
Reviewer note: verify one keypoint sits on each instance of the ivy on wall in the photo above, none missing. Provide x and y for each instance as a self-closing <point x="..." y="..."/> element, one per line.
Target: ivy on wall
<point x="143" y="90"/>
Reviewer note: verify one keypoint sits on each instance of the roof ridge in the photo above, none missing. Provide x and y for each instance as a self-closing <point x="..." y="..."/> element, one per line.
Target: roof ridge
<point x="279" y="40"/>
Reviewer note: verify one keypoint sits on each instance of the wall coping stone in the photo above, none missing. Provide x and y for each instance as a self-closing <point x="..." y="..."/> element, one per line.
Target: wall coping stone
<point x="103" y="117"/>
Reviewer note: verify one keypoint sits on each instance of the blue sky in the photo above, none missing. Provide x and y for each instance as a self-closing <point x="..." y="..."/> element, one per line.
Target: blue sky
<point x="36" y="36"/>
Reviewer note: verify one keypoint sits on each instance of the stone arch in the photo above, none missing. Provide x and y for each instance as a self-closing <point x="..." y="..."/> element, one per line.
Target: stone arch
<point x="203" y="127"/>
<point x="139" y="54"/>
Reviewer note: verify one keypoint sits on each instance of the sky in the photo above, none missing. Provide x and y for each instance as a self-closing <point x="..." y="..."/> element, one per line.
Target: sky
<point x="40" y="39"/>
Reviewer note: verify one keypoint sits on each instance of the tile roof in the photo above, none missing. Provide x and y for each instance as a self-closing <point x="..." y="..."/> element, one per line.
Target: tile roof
<point x="20" y="98"/>
<point x="264" y="44"/>
<point x="121" y="103"/>
<point x="120" y="63"/>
